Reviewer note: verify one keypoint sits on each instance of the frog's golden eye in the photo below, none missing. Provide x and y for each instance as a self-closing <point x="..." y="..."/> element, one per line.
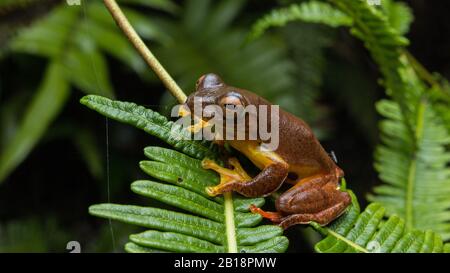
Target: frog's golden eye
<point x="230" y="101"/>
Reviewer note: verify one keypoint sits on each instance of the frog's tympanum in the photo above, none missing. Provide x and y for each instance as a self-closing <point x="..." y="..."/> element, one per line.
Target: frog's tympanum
<point x="299" y="160"/>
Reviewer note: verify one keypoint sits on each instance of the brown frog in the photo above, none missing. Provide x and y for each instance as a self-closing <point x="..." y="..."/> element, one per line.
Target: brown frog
<point x="299" y="159"/>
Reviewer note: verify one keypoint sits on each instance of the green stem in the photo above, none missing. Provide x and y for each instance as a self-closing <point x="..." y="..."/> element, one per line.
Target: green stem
<point x="176" y="91"/>
<point x="143" y="50"/>
<point x="409" y="215"/>
<point x="229" y="223"/>
<point x="347" y="241"/>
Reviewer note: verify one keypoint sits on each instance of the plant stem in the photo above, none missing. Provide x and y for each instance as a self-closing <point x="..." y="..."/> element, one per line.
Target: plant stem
<point x="176" y="91"/>
<point x="347" y="241"/>
<point x="144" y="51"/>
<point x="409" y="202"/>
<point x="229" y="223"/>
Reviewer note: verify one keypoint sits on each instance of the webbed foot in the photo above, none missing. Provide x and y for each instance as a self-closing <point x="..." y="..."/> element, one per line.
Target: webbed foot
<point x="228" y="177"/>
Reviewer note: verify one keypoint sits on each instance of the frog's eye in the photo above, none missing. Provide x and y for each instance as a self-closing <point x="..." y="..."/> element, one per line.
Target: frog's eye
<point x="210" y="80"/>
<point x="230" y="101"/>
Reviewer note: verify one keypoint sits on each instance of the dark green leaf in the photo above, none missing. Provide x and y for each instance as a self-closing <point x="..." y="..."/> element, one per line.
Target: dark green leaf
<point x="45" y="106"/>
<point x="151" y="122"/>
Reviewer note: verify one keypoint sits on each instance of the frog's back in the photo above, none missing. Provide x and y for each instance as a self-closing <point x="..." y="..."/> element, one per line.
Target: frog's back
<point x="299" y="147"/>
<point x="297" y="144"/>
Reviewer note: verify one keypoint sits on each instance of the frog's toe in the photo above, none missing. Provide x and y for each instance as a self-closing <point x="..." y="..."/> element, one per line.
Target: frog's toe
<point x="211" y="191"/>
<point x="219" y="189"/>
<point x="230" y="179"/>
<point x="208" y="164"/>
<point x="275" y="217"/>
<point x="215" y="190"/>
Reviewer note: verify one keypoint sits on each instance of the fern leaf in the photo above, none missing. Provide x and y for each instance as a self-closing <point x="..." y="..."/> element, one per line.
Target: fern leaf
<point x="312" y="11"/>
<point x="386" y="46"/>
<point x="43" y="109"/>
<point x="204" y="228"/>
<point x="369" y="231"/>
<point x="205" y="223"/>
<point x="151" y="122"/>
<point x="135" y="248"/>
<point x="414" y="169"/>
<point x="399" y="15"/>
<point x="413" y="160"/>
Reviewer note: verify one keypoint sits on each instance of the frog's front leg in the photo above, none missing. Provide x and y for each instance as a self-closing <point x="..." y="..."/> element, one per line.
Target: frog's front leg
<point x="227" y="176"/>
<point x="266" y="182"/>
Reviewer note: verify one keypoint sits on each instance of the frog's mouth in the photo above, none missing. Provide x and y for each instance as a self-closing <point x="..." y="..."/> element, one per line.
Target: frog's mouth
<point x="199" y="123"/>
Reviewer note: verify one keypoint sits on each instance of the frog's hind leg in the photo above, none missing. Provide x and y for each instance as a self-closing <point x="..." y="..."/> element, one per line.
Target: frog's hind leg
<point x="313" y="199"/>
<point x="323" y="218"/>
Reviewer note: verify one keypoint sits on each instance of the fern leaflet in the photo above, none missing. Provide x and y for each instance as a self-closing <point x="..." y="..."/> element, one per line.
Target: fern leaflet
<point x="368" y="231"/>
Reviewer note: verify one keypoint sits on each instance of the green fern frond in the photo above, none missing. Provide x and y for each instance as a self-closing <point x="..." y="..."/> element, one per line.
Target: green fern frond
<point x="384" y="41"/>
<point x="152" y="123"/>
<point x="416" y="137"/>
<point x="399" y="15"/>
<point x="414" y="169"/>
<point x="204" y="228"/>
<point x="413" y="160"/>
<point x="369" y="231"/>
<point x="440" y="97"/>
<point x="206" y="222"/>
<point x="386" y="46"/>
<point x="312" y="12"/>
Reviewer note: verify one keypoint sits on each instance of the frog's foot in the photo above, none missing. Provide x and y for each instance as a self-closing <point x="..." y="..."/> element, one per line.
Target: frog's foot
<point x="322" y="218"/>
<point x="275" y="217"/>
<point x="228" y="177"/>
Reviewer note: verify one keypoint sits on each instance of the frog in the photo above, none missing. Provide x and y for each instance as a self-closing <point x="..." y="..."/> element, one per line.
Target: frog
<point x="299" y="160"/>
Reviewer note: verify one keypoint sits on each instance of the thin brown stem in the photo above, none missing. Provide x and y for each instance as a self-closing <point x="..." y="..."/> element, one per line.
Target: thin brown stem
<point x="144" y="51"/>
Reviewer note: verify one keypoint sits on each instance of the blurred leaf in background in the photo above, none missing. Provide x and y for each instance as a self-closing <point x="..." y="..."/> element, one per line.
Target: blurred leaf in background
<point x="307" y="44"/>
<point x="32" y="235"/>
<point x="73" y="39"/>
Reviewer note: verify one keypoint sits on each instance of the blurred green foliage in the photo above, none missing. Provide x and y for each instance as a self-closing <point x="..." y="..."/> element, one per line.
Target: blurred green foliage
<point x="32" y="235"/>
<point x="413" y="159"/>
<point x="73" y="39"/>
